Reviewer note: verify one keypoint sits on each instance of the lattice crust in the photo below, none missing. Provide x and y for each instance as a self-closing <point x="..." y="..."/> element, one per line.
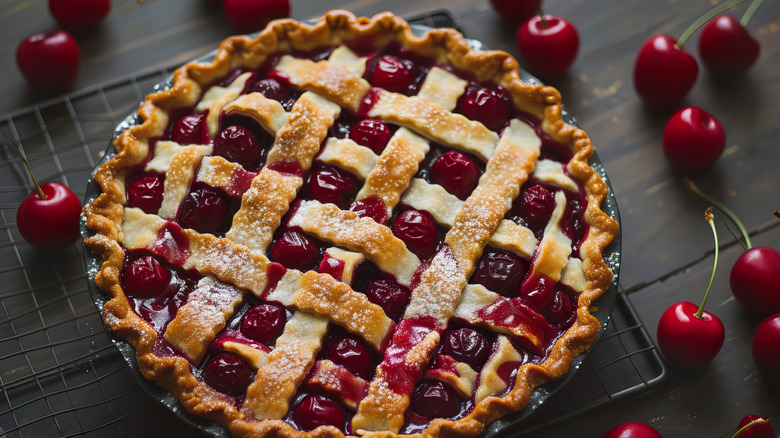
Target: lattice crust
<point x="231" y="270"/>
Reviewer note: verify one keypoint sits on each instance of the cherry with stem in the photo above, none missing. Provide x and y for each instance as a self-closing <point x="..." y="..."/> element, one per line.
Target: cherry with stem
<point x="753" y="425"/>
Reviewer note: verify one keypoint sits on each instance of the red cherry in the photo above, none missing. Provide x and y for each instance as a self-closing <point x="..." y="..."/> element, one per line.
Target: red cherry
<point x="487" y="105"/>
<point x="501" y="272"/>
<point x="663" y="72"/>
<point x="79" y="14"/>
<point x="190" y="129"/>
<point x="228" y="374"/>
<point x="329" y="184"/>
<point x="263" y="323"/>
<point x="389" y="295"/>
<point x="456" y="173"/>
<point x="51" y="222"/>
<point x="373" y="134"/>
<point x="352" y="354"/>
<point x="317" y="410"/>
<point x="247" y="16"/>
<point x="204" y="210"/>
<point x="373" y="207"/>
<point x="469" y="346"/>
<point x="145" y="278"/>
<point x="766" y="354"/>
<point x="693" y="140"/>
<point x="393" y="74"/>
<point x="755" y="280"/>
<point x="760" y="430"/>
<point x="560" y="311"/>
<point x="688" y="340"/>
<point x="434" y="399"/>
<point x="548" y="45"/>
<point x="417" y="231"/>
<point x="632" y="430"/>
<point x="146" y="192"/>
<point x="516" y="10"/>
<point x="296" y="251"/>
<point x="238" y="144"/>
<point x="726" y="48"/>
<point x="49" y="61"/>
<point x="535" y="207"/>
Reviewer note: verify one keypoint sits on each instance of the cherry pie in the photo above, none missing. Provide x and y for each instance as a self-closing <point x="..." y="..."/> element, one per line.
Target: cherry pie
<point x="346" y="229"/>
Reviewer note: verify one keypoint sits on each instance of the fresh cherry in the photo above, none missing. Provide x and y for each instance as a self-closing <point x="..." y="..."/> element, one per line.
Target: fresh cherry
<point x="693" y="140"/>
<point x="329" y="184"/>
<point x="456" y="173"/>
<point x="393" y="74"/>
<point x="434" y="399"/>
<point x="501" y="272"/>
<point x="755" y="426"/>
<point x="417" y="231"/>
<point x="373" y="134"/>
<point x="296" y="251"/>
<point x="548" y="45"/>
<point x="146" y="192"/>
<point x="49" y="61"/>
<point x="664" y="72"/>
<point x="755" y="280"/>
<point x="228" y="374"/>
<point x="145" y="277"/>
<point x="49" y="217"/>
<point x="354" y="355"/>
<point x="190" y="129"/>
<point x="632" y="430"/>
<point x="726" y="48"/>
<point x="389" y="295"/>
<point x="78" y="15"/>
<point x="237" y="144"/>
<point x="263" y="323"/>
<point x="469" y="346"/>
<point x="316" y="410"/>
<point x="373" y="207"/>
<point x="247" y="16"/>
<point x="516" y="10"/>
<point x="491" y="106"/>
<point x="766" y="354"/>
<point x="204" y="209"/>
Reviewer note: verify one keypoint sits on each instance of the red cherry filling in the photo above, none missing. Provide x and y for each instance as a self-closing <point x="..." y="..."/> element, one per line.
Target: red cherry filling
<point x="352" y="354"/>
<point x="190" y="129"/>
<point x="417" y="231"/>
<point x="434" y="399"/>
<point x="561" y="310"/>
<point x="263" y="323"/>
<point x="204" y="210"/>
<point x="456" y="173"/>
<point x="535" y="207"/>
<point x="296" y="251"/>
<point x="537" y="290"/>
<point x="228" y="374"/>
<point x="237" y="144"/>
<point x="373" y="134"/>
<point x="275" y="89"/>
<point x="146" y="192"/>
<point x="501" y="272"/>
<point x="393" y="74"/>
<point x="328" y="184"/>
<point x="487" y="105"/>
<point x="373" y="207"/>
<point x="469" y="346"/>
<point x="316" y="410"/>
<point x="389" y="295"/>
<point x="145" y="277"/>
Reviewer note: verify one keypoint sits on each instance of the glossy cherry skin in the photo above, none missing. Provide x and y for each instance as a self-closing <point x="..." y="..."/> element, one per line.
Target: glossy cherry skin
<point x="329" y="184"/>
<point x="755" y="280"/>
<point x="353" y="355"/>
<point x="392" y="74"/>
<point x="228" y="374"/>
<point x="663" y="73"/>
<point x="50" y="223"/>
<point x="316" y="410"/>
<point x="433" y="399"/>
<point x="764" y="430"/>
<point x="49" y="61"/>
<point x="469" y="346"/>
<point x="548" y="46"/>
<point x="373" y="134"/>
<point x="146" y="192"/>
<point x="247" y="16"/>
<point x="237" y="144"/>
<point x="204" y="209"/>
<point x="417" y="231"/>
<point x="263" y="323"/>
<point x="500" y="271"/>
<point x="536" y="206"/>
<point x="686" y="340"/>
<point x="145" y="277"/>
<point x="456" y="173"/>
<point x="190" y="129"/>
<point x="766" y="354"/>
<point x="632" y="430"/>
<point x="295" y="250"/>
<point x="389" y="295"/>
<point x="726" y="48"/>
<point x="693" y="140"/>
<point x="488" y="105"/>
<point x="78" y="15"/>
<point x="516" y="10"/>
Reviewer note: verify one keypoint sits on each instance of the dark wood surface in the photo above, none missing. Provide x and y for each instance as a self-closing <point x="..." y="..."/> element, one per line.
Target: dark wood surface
<point x="667" y="247"/>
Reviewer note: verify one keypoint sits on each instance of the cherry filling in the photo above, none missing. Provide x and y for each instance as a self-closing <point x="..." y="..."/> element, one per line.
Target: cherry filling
<point x="434" y="399"/>
<point x="395" y="74"/>
<point x="329" y="184"/>
<point x="273" y="87"/>
<point x="533" y="208"/>
<point x="263" y="323"/>
<point x="145" y="191"/>
<point x="296" y="251"/>
<point x="238" y="144"/>
<point x="469" y="346"/>
<point x="489" y="105"/>
<point x="314" y="410"/>
<point x="190" y="129"/>
<point x="536" y="291"/>
<point x="373" y="207"/>
<point x="373" y="134"/>
<point x="560" y="310"/>
<point x="456" y="173"/>
<point x="228" y="374"/>
<point x="205" y="209"/>
<point x="389" y="295"/>
<point x="351" y="353"/>
<point x="417" y="231"/>
<point x="500" y="271"/>
<point x="145" y="277"/>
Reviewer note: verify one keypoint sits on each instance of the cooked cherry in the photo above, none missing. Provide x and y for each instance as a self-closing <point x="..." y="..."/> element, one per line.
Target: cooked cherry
<point x="373" y="134"/>
<point x="536" y="206"/>
<point x="500" y="271"/>
<point x="469" y="346"/>
<point x="146" y="192"/>
<point x="487" y="105"/>
<point x="296" y="251"/>
<point x="317" y="410"/>
<point x="417" y="231"/>
<point x="353" y="355"/>
<point x="560" y="311"/>
<point x="237" y="144"/>
<point x="271" y="88"/>
<point x="204" y="209"/>
<point x="228" y="374"/>
<point x="456" y="173"/>
<point x="190" y="129"/>
<point x="263" y="323"/>
<point x="434" y="399"/>
<point x="145" y="277"/>
<point x="392" y="74"/>
<point x="537" y="290"/>
<point x="389" y="295"/>
<point x="330" y="185"/>
<point x="373" y="207"/>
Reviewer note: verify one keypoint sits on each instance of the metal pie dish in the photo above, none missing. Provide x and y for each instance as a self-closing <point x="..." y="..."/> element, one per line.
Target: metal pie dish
<point x="604" y="305"/>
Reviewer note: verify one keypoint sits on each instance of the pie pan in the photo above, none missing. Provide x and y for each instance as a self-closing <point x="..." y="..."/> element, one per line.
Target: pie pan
<point x="603" y="306"/>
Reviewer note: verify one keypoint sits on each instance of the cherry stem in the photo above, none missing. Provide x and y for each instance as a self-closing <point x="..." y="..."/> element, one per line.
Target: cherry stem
<point x="777" y="213"/>
<point x="724" y="210"/>
<point x="545" y="25"/>
<point x="707" y="16"/>
<point x="709" y="217"/>
<point x="29" y="170"/>
<point x="751" y="10"/>
<point x="755" y="422"/>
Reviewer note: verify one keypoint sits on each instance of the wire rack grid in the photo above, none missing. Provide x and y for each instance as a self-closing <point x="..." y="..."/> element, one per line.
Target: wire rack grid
<point x="60" y="373"/>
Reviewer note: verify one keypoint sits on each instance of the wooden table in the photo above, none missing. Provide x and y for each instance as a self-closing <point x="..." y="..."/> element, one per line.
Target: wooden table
<point x="667" y="246"/>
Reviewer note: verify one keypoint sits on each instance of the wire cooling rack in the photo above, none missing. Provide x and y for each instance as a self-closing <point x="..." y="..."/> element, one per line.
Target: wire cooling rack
<point x="60" y="374"/>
